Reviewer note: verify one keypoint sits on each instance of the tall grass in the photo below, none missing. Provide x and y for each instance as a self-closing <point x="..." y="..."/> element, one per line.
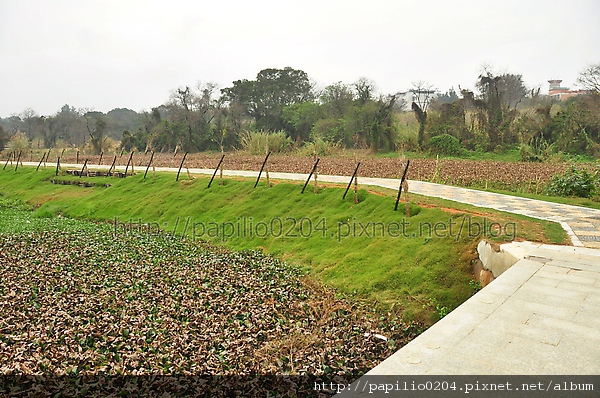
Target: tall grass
<point x="261" y="142"/>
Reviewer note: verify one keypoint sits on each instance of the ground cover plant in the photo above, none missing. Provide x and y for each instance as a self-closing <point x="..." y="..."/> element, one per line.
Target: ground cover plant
<point x="77" y="301"/>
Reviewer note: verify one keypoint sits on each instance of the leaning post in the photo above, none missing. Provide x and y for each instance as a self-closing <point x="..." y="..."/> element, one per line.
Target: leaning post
<point x="180" y="166"/>
<point x="149" y="163"/>
<point x="401" y="183"/>
<point x="217" y="169"/>
<point x="351" y="179"/>
<point x="261" y="169"/>
<point x="310" y="175"/>
<point x="129" y="161"/>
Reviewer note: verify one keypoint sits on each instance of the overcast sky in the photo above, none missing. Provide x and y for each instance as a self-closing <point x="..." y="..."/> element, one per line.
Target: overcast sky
<point x="132" y="54"/>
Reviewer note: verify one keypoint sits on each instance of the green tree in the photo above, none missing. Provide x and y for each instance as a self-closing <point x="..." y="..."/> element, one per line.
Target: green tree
<point x="3" y="138"/>
<point x="337" y="98"/>
<point x="68" y="125"/>
<point x="127" y="141"/>
<point x="191" y="114"/>
<point x="499" y="97"/>
<point x="96" y="128"/>
<point x="382" y="132"/>
<point x="300" y="119"/>
<point x="450" y="118"/>
<point x="274" y="89"/>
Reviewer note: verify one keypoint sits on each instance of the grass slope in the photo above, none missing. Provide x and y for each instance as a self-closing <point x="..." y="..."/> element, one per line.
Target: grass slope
<point x="419" y="266"/>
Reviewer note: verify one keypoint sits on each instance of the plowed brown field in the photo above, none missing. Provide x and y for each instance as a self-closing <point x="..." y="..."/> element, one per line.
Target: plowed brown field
<point x="453" y="172"/>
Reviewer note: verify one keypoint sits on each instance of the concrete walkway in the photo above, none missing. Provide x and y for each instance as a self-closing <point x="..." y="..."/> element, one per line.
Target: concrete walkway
<point x="541" y="316"/>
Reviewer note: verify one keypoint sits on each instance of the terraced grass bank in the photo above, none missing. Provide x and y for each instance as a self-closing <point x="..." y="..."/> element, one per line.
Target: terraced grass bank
<point x="418" y="267"/>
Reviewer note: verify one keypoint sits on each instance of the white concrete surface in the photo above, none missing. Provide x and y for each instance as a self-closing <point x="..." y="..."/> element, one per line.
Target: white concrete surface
<point x="541" y="316"/>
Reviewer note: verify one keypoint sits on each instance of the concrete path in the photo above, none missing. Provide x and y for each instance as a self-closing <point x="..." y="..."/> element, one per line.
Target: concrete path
<point x="541" y="316"/>
<point x="581" y="223"/>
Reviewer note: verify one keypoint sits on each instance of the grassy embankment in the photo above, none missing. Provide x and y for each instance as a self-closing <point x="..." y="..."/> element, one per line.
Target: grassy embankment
<point x="418" y="266"/>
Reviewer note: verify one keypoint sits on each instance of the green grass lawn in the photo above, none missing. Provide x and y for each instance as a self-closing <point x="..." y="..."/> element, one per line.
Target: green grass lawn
<point x="419" y="266"/>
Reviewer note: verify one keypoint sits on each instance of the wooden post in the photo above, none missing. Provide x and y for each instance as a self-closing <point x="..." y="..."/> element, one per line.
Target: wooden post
<point x="356" y="189"/>
<point x="57" y="165"/>
<point x="219" y="166"/>
<point x="353" y="178"/>
<point x="111" y="166"/>
<point x="221" y="171"/>
<point x="401" y="183"/>
<point x="310" y="175"/>
<point x="180" y="166"/>
<point x="316" y="173"/>
<point x="267" y="166"/>
<point x="40" y="163"/>
<point x="356" y="180"/>
<point x="83" y="168"/>
<point x="406" y="198"/>
<point x="129" y="161"/>
<point x="18" y="160"/>
<point x="261" y="169"/>
<point x="101" y="154"/>
<point x="77" y="157"/>
<point x="9" y="158"/>
<point x="267" y="175"/>
<point x="149" y="163"/>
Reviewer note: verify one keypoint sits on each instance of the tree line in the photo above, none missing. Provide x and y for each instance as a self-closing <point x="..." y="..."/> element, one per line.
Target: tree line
<point x="501" y="113"/>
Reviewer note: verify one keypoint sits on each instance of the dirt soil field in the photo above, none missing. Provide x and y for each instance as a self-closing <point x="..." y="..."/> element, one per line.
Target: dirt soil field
<point x="453" y="172"/>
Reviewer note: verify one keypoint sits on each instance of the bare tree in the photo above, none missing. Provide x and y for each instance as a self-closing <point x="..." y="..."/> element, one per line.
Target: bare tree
<point x="30" y="120"/>
<point x="96" y="127"/>
<point x="423" y="93"/>
<point x="193" y="110"/>
<point x="365" y="89"/>
<point x="589" y="79"/>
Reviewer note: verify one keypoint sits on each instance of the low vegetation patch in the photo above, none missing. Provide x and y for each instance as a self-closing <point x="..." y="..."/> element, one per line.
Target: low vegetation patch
<point x="575" y="182"/>
<point x="77" y="300"/>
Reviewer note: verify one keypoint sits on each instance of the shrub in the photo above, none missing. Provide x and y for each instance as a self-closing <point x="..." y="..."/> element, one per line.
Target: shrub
<point x="258" y="142"/>
<point x="528" y="154"/>
<point x="574" y="182"/>
<point x="445" y="144"/>
<point x="320" y="147"/>
<point x="19" y="142"/>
